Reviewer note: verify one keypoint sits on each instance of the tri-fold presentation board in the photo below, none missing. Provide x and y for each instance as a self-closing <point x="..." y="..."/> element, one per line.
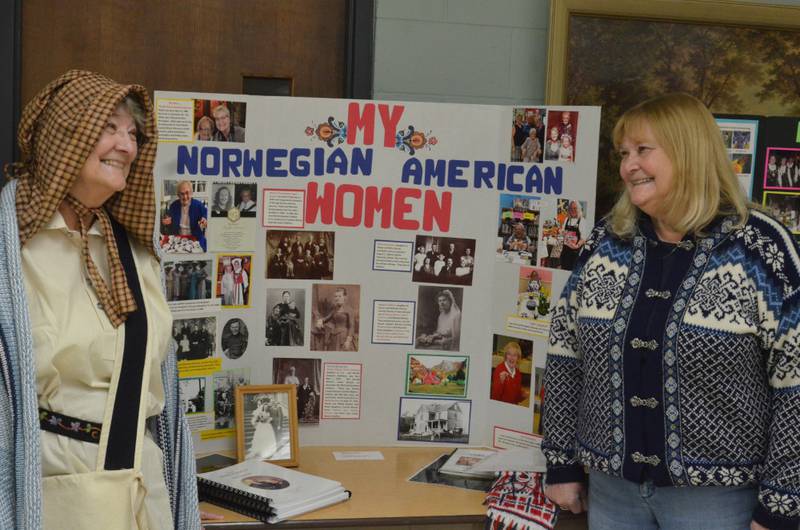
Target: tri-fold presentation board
<point x="396" y="261"/>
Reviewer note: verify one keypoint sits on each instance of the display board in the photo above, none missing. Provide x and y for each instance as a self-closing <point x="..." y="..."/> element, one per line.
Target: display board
<point x="777" y="170"/>
<point x="398" y="262"/>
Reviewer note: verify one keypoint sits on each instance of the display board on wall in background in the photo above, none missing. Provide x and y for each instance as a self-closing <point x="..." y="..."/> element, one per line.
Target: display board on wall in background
<point x="396" y="262"/>
<point x="776" y="168"/>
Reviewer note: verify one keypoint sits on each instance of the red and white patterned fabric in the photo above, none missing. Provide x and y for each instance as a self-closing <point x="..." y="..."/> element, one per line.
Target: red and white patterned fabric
<point x="516" y="501"/>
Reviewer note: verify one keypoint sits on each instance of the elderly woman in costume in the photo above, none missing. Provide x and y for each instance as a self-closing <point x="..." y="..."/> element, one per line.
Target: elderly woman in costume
<point x="673" y="372"/>
<point x="82" y="291"/>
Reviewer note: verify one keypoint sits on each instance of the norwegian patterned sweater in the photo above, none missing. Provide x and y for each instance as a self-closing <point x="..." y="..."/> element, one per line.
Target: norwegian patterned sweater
<point x="680" y="363"/>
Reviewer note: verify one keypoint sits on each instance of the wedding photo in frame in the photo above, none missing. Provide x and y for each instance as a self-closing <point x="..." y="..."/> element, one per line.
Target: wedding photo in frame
<point x="266" y="424"/>
<point x="734" y="57"/>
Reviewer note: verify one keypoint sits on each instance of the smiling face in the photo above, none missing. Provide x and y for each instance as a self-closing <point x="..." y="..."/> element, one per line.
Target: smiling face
<point x="554" y="134"/>
<point x="223" y="196"/>
<point x="511" y="356"/>
<point x="646" y="171"/>
<point x="573" y="209"/>
<point x="185" y="193"/>
<point x="205" y="128"/>
<point x="222" y="118"/>
<point x="108" y="165"/>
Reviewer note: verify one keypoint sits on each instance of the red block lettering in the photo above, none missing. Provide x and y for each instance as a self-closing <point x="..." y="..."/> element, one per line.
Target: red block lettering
<point x="323" y="204"/>
<point x="378" y="201"/>
<point x="358" y="204"/>
<point x="434" y="210"/>
<point x="361" y="120"/>
<point x="389" y="123"/>
<point x="402" y="208"/>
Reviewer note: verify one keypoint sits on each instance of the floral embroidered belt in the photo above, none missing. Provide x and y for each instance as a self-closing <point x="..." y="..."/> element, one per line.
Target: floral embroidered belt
<point x="85" y="431"/>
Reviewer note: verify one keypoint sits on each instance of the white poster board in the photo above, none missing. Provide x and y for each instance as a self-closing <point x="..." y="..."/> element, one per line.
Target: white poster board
<point x="390" y="250"/>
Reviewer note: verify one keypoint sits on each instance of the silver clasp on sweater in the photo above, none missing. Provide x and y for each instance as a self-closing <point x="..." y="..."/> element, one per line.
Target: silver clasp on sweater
<point x="648" y="344"/>
<point x="652" y="293"/>
<point x="639" y="458"/>
<point x="650" y="403"/>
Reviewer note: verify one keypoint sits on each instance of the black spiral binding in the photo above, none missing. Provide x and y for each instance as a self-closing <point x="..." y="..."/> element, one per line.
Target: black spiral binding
<point x="234" y="499"/>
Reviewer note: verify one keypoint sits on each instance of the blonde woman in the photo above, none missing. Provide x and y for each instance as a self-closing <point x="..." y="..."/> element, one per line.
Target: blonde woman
<point x="673" y="372"/>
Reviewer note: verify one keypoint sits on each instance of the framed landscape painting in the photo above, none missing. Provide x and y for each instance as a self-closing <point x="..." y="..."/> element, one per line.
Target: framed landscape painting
<point x="737" y="58"/>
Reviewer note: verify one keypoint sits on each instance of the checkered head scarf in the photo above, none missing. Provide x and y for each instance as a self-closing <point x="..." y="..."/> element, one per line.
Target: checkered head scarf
<point x="57" y="132"/>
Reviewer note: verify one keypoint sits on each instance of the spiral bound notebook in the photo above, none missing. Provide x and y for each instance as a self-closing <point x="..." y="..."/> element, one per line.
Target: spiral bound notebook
<point x="268" y="492"/>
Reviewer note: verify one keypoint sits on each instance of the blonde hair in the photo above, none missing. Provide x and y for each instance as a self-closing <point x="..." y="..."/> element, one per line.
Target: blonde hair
<point x="220" y="109"/>
<point x="205" y="119"/>
<point x="704" y="184"/>
<point x="512" y="346"/>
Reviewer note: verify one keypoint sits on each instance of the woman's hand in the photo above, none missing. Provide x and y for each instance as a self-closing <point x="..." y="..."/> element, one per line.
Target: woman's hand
<point x="755" y="526"/>
<point x="568" y="496"/>
<point x="209" y="516"/>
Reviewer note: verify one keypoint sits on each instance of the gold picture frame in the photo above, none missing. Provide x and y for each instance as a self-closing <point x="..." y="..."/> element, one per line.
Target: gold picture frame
<point x="266" y="424"/>
<point x="616" y="53"/>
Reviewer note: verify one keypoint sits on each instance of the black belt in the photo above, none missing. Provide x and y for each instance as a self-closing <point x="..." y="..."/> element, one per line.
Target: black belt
<point x="123" y="429"/>
<point x="85" y="431"/>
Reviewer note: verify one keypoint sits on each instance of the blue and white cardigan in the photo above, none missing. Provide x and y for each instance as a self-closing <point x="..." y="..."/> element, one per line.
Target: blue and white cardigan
<point x="681" y="364"/>
<point x="20" y="465"/>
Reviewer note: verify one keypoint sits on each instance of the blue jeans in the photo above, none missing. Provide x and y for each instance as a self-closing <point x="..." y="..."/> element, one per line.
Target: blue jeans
<point x="618" y="504"/>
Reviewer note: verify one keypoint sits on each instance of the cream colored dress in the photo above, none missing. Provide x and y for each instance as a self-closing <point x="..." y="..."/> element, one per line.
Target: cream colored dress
<point x="75" y="347"/>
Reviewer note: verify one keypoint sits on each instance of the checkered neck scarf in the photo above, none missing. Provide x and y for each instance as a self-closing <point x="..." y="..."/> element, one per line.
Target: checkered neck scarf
<point x="57" y="132"/>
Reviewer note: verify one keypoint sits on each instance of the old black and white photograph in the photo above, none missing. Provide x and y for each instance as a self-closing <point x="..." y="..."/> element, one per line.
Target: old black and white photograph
<point x="225" y="383"/>
<point x="434" y="420"/>
<point x="445" y="260"/>
<point x="221" y="199"/>
<point x="234" y="338"/>
<point x="306" y="375"/>
<point x="439" y="318"/>
<point x="195" y="337"/>
<point x="193" y="394"/>
<point x="266" y="427"/>
<point x="335" y="317"/>
<point x="286" y="310"/>
<point x="246" y="199"/>
<point x="188" y="280"/>
<point x="299" y="255"/>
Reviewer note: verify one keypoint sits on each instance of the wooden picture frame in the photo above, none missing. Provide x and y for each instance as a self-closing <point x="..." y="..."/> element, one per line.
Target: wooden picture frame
<point x="617" y="53"/>
<point x="266" y="424"/>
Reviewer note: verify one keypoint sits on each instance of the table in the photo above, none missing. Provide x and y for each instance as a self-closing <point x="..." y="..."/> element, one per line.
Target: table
<point x="382" y="495"/>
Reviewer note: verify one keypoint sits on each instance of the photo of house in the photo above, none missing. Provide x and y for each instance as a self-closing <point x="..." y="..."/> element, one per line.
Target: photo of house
<point x="434" y="420"/>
